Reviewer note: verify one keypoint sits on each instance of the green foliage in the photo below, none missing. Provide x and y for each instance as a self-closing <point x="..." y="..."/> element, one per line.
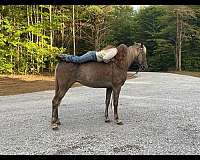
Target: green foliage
<point x="25" y="34"/>
<point x="122" y="25"/>
<point x="156" y="27"/>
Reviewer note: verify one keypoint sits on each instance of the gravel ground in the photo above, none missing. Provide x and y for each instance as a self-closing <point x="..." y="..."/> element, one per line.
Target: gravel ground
<point x="160" y="111"/>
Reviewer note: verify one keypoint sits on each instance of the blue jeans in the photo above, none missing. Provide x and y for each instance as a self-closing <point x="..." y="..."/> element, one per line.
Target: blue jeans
<point x="87" y="57"/>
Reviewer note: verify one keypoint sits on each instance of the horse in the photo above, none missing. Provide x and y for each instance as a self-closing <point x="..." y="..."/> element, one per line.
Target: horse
<point x="110" y="75"/>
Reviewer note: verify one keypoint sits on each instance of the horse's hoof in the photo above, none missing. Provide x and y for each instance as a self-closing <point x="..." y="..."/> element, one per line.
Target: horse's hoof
<point x="107" y="120"/>
<point x="118" y="122"/>
<point x="58" y="123"/>
<point x="54" y="126"/>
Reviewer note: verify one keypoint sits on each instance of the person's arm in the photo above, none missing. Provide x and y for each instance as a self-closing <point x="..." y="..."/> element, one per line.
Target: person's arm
<point x="109" y="54"/>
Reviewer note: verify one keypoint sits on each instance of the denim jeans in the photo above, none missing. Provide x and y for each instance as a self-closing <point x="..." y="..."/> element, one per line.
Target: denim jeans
<point x="87" y="57"/>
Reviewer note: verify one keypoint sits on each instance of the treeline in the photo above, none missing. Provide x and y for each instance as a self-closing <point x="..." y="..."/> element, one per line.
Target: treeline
<point x="31" y="35"/>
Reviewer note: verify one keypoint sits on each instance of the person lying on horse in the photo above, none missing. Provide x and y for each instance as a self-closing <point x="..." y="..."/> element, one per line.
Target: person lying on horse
<point x="104" y="55"/>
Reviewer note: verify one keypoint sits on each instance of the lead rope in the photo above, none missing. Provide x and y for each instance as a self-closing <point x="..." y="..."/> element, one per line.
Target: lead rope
<point x="138" y="70"/>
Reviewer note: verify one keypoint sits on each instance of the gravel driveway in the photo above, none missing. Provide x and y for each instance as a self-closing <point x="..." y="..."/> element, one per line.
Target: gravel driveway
<point x="160" y="111"/>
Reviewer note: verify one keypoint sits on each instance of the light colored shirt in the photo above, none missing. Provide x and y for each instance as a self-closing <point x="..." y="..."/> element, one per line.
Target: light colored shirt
<point x="106" y="55"/>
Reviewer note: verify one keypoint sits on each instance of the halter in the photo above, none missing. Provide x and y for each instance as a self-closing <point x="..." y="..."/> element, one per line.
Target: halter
<point x="139" y="65"/>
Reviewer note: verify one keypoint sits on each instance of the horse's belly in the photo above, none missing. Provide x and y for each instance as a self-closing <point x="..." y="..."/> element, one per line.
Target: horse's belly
<point x="96" y="84"/>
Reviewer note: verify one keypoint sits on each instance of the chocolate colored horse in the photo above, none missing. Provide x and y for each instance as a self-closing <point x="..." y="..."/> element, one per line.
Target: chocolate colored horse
<point x="110" y="75"/>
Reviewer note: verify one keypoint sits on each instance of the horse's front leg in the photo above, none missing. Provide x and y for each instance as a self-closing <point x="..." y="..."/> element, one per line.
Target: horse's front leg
<point x="108" y="95"/>
<point x="116" y="92"/>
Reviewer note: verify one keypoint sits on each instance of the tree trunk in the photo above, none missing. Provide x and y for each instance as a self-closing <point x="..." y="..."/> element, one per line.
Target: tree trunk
<point x="51" y="34"/>
<point x="18" y="57"/>
<point x="96" y="33"/>
<point x="177" y="40"/>
<point x="28" y="22"/>
<point x="32" y="36"/>
<point x="37" y="38"/>
<point x="41" y="21"/>
<point x="37" y="21"/>
<point x="31" y="19"/>
<point x="74" y="40"/>
<point x="62" y="31"/>
<point x="179" y="37"/>
<point x="180" y="44"/>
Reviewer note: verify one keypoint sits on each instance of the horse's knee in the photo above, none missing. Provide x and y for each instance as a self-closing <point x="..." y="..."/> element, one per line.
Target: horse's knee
<point x="55" y="102"/>
<point x="107" y="101"/>
<point x="115" y="103"/>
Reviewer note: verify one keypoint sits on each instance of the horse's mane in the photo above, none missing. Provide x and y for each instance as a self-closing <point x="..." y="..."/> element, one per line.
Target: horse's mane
<point x="121" y="57"/>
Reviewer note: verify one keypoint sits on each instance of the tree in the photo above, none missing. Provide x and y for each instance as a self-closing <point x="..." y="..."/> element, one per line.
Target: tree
<point x="93" y="22"/>
<point x="31" y="35"/>
<point x="182" y="13"/>
<point x="122" y="24"/>
<point x="152" y="29"/>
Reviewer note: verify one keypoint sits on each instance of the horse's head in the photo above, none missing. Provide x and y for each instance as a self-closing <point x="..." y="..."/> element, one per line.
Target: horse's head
<point x="141" y="56"/>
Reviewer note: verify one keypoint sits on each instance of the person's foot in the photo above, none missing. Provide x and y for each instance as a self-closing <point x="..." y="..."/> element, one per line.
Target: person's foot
<point x="61" y="57"/>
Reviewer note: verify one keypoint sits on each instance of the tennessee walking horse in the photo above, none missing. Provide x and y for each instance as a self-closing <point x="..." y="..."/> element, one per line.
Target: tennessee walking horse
<point x="110" y="75"/>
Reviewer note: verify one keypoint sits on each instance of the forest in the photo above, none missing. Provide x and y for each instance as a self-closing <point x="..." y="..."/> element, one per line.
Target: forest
<point x="32" y="35"/>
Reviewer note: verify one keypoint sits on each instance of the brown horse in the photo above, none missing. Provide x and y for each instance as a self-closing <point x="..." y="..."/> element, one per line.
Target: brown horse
<point x="97" y="75"/>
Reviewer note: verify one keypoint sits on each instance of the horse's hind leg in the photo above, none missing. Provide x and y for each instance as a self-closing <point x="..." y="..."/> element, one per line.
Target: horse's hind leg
<point x="108" y="95"/>
<point x="56" y="102"/>
<point x="116" y="92"/>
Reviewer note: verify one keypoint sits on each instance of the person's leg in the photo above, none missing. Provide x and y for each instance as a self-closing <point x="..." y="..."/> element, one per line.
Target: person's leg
<point x="89" y="56"/>
<point x="63" y="57"/>
<point x="68" y="58"/>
